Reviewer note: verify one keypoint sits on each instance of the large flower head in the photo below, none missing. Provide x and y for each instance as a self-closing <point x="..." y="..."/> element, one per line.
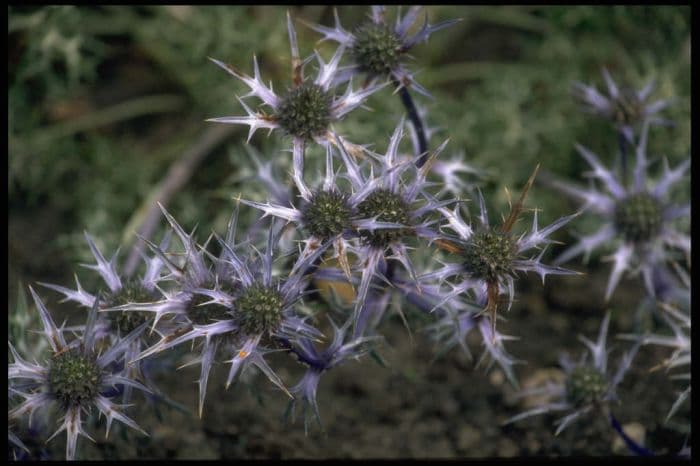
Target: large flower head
<point x="308" y="107"/>
<point x="74" y="379"/>
<point x="379" y="49"/>
<point x="245" y="311"/>
<point x="638" y="219"/>
<point x="490" y="256"/>
<point x="122" y="291"/>
<point x="588" y="385"/>
<point x="625" y="107"/>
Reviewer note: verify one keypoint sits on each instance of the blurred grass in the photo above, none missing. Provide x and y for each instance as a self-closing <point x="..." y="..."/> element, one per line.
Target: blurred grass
<point x="102" y="100"/>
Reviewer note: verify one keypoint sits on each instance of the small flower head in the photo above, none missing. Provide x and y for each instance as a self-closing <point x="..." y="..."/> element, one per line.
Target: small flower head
<point x="588" y="385"/>
<point x="625" y="107"/>
<point x="74" y="378"/>
<point x="377" y="48"/>
<point x="243" y="311"/>
<point x="491" y="256"/>
<point x="638" y="217"/>
<point x="385" y="206"/>
<point x="308" y="108"/>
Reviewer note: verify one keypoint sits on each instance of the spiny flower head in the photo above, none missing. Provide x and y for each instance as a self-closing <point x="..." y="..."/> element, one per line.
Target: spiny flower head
<point x="637" y="219"/>
<point x="253" y="315"/>
<point x="123" y="290"/>
<point x="378" y="49"/>
<point x="489" y="257"/>
<point x="75" y="378"/>
<point x="623" y="106"/>
<point x="115" y="319"/>
<point x="402" y="204"/>
<point x="588" y="384"/>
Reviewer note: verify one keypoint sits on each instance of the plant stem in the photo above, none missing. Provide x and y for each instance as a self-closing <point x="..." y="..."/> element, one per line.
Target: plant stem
<point x="622" y="142"/>
<point x="407" y="102"/>
<point x="631" y="444"/>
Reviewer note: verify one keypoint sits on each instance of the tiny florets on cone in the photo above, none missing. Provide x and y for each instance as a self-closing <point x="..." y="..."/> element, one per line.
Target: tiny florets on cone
<point x="74" y="378"/>
<point x="489" y="254"/>
<point x="386" y="206"/>
<point x="259" y="308"/>
<point x="638" y="217"/>
<point x="376" y="49"/>
<point x="327" y="214"/>
<point x="305" y="111"/>
<point x="585" y="385"/>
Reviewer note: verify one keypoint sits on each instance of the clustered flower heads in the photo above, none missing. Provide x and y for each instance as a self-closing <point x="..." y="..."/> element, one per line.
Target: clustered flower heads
<point x="390" y="225"/>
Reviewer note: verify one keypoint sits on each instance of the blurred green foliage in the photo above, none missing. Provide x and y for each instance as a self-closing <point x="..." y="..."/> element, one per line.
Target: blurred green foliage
<point x="102" y="100"/>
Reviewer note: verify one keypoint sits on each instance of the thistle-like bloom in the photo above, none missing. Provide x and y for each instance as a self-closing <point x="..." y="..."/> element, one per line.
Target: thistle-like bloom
<point x="378" y="49"/>
<point x="122" y="291"/>
<point x="589" y="385"/>
<point x="625" y="107"/>
<point x="307" y="109"/>
<point x="75" y="378"/>
<point x="318" y="361"/>
<point x="638" y="218"/>
<point x="390" y="197"/>
<point x="244" y="309"/>
<point x="490" y="257"/>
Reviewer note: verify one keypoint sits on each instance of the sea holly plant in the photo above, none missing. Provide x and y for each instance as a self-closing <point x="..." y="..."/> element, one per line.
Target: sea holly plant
<point x="389" y="225"/>
<point x="638" y="220"/>
<point x="307" y="109"/>
<point x="123" y="290"/>
<point x="489" y="257"/>
<point x="75" y="378"/>
<point x="246" y="312"/>
<point x="589" y="386"/>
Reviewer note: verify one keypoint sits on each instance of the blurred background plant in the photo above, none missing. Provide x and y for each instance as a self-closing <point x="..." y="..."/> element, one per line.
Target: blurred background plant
<point x="104" y="100"/>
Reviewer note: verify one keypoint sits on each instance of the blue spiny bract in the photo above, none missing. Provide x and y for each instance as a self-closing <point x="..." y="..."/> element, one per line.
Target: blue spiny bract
<point x="75" y="377"/>
<point x="327" y="214"/>
<point x="385" y="206"/>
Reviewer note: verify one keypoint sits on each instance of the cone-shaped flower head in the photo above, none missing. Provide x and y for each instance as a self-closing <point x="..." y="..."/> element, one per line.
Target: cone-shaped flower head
<point x="308" y="108"/>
